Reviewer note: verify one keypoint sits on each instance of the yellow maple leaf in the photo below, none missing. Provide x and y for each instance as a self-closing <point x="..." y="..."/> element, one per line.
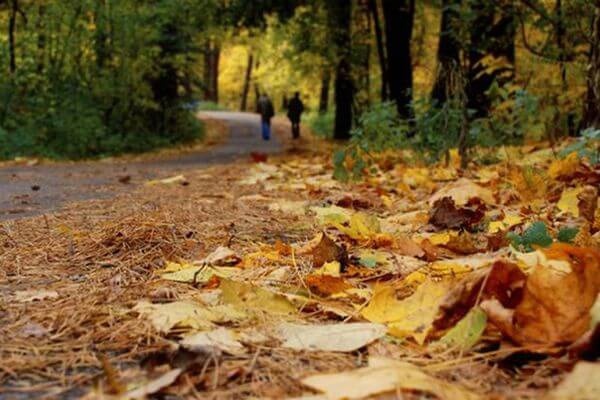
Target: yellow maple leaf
<point x="412" y="316"/>
<point x="568" y="202"/>
<point x="564" y="167"/>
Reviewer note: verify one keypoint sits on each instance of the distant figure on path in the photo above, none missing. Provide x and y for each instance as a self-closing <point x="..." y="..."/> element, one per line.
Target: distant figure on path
<point x="266" y="111"/>
<point x="295" y="110"/>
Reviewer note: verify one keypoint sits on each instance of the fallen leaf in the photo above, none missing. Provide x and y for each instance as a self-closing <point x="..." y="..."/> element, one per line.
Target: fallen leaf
<point x="461" y="192"/>
<point x="196" y="274"/>
<point x="27" y="296"/>
<point x="289" y="207"/>
<point x="588" y="203"/>
<point x="444" y="214"/>
<point x="326" y="285"/>
<point x="569" y="201"/>
<point x="327" y="251"/>
<point x="407" y="247"/>
<point x="153" y="386"/>
<point x="555" y="308"/>
<point x="222" y="256"/>
<point x="221" y="339"/>
<point x="565" y="167"/>
<point x="246" y="296"/>
<point x="506" y="223"/>
<point x="167" y="181"/>
<point x="467" y="243"/>
<point x="583" y="383"/>
<point x="384" y="376"/>
<point x="333" y="337"/>
<point x="412" y="316"/>
<point x="467" y="332"/>
<point x="186" y="314"/>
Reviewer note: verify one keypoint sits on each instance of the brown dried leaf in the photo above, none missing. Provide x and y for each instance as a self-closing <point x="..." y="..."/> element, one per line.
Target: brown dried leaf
<point x="446" y="215"/>
<point x="588" y="202"/>
<point x="326" y="251"/>
<point x="326" y="285"/>
<point x="407" y="247"/>
<point x="555" y="308"/>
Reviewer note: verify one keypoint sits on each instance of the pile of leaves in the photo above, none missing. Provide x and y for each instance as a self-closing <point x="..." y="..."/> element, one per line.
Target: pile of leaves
<point x="274" y="280"/>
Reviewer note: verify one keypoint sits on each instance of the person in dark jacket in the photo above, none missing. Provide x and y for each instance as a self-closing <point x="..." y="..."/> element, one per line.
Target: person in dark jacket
<point x="295" y="110"/>
<point x="266" y="110"/>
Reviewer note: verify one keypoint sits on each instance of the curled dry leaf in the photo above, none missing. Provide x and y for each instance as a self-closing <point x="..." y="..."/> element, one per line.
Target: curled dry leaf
<point x="327" y="251"/>
<point x="222" y="256"/>
<point x="462" y="191"/>
<point x="588" y="203"/>
<point x="555" y="307"/>
<point x="444" y="214"/>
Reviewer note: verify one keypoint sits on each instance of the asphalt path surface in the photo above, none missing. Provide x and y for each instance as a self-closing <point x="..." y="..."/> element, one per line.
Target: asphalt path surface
<point x="32" y="190"/>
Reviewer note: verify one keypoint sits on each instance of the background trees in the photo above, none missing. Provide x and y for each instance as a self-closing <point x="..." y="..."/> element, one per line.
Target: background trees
<point x="94" y="77"/>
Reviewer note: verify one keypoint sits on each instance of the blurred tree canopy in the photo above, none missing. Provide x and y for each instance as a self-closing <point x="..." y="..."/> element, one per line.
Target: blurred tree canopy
<point x="95" y="77"/>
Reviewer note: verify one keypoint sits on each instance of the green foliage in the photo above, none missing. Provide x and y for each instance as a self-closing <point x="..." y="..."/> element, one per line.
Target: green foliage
<point x="321" y="124"/>
<point x="567" y="235"/>
<point x="515" y="114"/>
<point x="535" y="235"/>
<point x="209" y="106"/>
<point x="94" y="80"/>
<point x="586" y="146"/>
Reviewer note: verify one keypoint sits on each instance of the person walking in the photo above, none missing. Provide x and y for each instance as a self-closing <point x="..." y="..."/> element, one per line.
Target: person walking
<point x="266" y="110"/>
<point x="295" y="110"/>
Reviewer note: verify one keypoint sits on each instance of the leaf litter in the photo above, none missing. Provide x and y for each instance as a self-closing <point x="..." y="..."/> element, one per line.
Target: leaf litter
<point x="414" y="281"/>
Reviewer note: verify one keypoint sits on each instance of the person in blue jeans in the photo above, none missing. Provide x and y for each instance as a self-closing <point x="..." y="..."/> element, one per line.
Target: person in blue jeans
<point x="266" y="110"/>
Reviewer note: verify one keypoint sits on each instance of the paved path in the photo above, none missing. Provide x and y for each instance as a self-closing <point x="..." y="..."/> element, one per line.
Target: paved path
<point x="57" y="184"/>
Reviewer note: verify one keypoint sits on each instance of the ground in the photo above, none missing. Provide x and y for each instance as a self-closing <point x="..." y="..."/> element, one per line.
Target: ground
<point x="33" y="189"/>
<point x="214" y="275"/>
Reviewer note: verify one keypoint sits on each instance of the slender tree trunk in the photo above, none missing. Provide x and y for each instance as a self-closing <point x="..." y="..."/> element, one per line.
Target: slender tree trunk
<point x="12" y="26"/>
<point x="41" y="40"/>
<point x="448" y="54"/>
<point x="340" y="15"/>
<point x="399" y="17"/>
<point x="373" y="7"/>
<point x="361" y="44"/>
<point x="247" y="79"/>
<point x="591" y="113"/>
<point x="492" y="34"/>
<point x="324" y="97"/>
<point x="101" y="34"/>
<point x="212" y="55"/>
<point x="214" y="78"/>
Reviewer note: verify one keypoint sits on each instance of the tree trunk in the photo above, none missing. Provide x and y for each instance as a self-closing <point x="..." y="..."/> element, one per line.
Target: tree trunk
<point x="448" y="54"/>
<point x="212" y="55"/>
<point x="324" y="97"/>
<point x="399" y="17"/>
<point x="361" y="46"/>
<point x="247" y="79"/>
<point x="492" y="34"/>
<point x="340" y="15"/>
<point x="12" y="25"/>
<point x="591" y="114"/>
<point x="41" y="39"/>
<point x="373" y="7"/>
<point x="214" y="81"/>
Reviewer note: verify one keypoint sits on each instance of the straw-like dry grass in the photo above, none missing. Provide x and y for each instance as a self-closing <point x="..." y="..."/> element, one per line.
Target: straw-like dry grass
<point x="100" y="257"/>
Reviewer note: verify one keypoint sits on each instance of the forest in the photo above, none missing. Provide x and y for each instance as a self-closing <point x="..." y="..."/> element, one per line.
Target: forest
<point x="93" y="78"/>
<point x="300" y="199"/>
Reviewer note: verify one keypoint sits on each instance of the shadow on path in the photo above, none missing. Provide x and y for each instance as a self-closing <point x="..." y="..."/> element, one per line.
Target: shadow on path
<point x="66" y="182"/>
